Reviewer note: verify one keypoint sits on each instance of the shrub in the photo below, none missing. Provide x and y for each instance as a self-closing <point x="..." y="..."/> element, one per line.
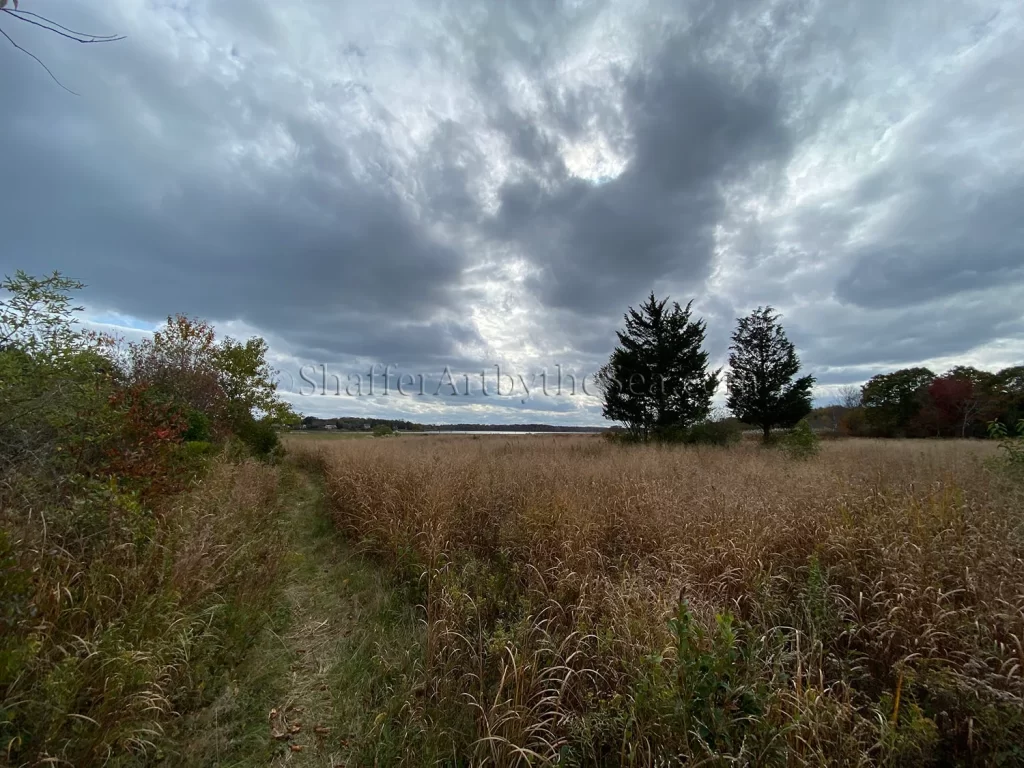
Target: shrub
<point x="382" y="430"/>
<point x="1011" y="444"/>
<point x="717" y="432"/>
<point x="724" y="432"/>
<point x="198" y="427"/>
<point x="260" y="437"/>
<point x="620" y="437"/>
<point x="801" y="442"/>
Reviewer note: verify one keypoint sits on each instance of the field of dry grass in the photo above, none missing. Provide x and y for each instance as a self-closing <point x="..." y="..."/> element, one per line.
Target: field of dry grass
<point x="595" y="604"/>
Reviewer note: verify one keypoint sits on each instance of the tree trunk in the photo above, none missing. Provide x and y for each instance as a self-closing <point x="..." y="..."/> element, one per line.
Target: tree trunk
<point x="767" y="428"/>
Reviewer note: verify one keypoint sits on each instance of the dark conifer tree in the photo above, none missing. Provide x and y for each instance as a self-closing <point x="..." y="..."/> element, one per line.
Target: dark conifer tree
<point x="762" y="367"/>
<point x="657" y="379"/>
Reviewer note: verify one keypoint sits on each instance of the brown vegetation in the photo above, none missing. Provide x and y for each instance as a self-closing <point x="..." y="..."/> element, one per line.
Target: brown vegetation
<point x="117" y="618"/>
<point x="600" y="604"/>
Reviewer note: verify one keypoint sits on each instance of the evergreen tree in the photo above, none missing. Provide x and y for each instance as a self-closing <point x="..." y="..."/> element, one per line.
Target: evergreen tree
<point x="656" y="380"/>
<point x="762" y="365"/>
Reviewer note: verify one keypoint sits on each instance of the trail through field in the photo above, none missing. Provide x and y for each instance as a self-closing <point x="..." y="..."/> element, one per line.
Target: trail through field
<point x="320" y="618"/>
<point x="302" y="697"/>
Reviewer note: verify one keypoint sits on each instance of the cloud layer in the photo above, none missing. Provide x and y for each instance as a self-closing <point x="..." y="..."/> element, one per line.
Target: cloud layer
<point x="465" y="184"/>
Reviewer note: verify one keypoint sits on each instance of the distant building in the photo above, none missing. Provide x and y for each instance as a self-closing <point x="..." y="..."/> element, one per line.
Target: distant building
<point x="366" y="426"/>
<point x="330" y="426"/>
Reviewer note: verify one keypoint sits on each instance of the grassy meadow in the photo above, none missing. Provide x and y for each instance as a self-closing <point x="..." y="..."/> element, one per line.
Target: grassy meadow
<point x="587" y="603"/>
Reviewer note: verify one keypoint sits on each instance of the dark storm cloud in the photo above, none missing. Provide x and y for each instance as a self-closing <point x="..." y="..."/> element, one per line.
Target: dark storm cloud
<point x="695" y="127"/>
<point x="155" y="222"/>
<point x="457" y="184"/>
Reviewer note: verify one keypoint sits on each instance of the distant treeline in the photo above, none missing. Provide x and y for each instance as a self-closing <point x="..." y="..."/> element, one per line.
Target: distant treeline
<point x="915" y="402"/>
<point x="354" y="424"/>
<point x="508" y="428"/>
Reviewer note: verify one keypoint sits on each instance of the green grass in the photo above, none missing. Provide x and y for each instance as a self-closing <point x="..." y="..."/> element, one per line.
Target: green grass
<point x="323" y="434"/>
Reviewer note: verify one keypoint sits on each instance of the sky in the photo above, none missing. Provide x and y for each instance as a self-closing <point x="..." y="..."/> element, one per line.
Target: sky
<point x="452" y="187"/>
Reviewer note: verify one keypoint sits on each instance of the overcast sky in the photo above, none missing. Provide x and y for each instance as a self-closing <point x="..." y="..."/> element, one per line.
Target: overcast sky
<point x="471" y="184"/>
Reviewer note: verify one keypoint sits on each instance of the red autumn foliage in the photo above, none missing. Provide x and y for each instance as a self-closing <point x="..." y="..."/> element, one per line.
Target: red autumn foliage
<point x="954" y="403"/>
<point x="140" y="452"/>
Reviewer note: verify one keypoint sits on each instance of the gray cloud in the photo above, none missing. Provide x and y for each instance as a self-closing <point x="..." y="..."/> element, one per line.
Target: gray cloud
<point x="597" y="243"/>
<point x="467" y="184"/>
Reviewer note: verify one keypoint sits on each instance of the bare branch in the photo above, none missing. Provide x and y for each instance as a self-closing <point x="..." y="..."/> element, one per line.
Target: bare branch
<point x="50" y="26"/>
<point x="39" y="62"/>
<point x="92" y="38"/>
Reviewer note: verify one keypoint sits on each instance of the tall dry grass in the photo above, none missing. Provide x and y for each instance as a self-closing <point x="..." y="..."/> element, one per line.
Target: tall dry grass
<point x="598" y="604"/>
<point x="117" y="617"/>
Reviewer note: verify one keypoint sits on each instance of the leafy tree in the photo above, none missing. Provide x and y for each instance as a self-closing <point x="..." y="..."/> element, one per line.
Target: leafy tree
<point x="959" y="399"/>
<point x="228" y="381"/>
<point x="247" y="380"/>
<point x="1009" y="390"/>
<point x="181" y="362"/>
<point x="656" y="380"/>
<point x="53" y="377"/>
<point x="892" y="401"/>
<point x="283" y="413"/>
<point x="66" y="416"/>
<point x="762" y="365"/>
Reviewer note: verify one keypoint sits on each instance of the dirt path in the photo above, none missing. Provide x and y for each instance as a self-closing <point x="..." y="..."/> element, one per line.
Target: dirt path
<point x="320" y="620"/>
<point x="307" y="692"/>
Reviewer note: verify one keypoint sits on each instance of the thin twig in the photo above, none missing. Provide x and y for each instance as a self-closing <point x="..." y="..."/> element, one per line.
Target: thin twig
<point x="96" y="38"/>
<point x="39" y="62"/>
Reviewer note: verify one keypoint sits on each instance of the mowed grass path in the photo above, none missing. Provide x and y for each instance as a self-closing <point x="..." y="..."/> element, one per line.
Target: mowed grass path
<point x="339" y="644"/>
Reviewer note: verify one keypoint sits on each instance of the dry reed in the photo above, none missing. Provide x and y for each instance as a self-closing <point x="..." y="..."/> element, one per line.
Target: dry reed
<point x="588" y="603"/>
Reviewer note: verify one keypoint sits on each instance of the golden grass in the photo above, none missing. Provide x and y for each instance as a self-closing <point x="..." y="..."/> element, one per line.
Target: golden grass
<point x="598" y="604"/>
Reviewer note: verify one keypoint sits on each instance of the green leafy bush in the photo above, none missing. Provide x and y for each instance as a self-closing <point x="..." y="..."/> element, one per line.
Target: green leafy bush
<point x="260" y="437"/>
<point x="1011" y="444"/>
<point x="801" y="442"/>
<point x="724" y="432"/>
<point x="198" y="427"/>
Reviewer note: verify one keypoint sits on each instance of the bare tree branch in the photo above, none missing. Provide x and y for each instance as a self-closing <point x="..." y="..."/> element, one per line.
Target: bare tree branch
<point x="50" y="25"/>
<point x="75" y="34"/>
<point x="78" y="37"/>
<point x="38" y="61"/>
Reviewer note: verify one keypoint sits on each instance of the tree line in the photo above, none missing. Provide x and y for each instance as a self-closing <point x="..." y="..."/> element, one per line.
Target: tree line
<point x="658" y="385"/>
<point x="85" y="408"/>
<point x="915" y="402"/>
